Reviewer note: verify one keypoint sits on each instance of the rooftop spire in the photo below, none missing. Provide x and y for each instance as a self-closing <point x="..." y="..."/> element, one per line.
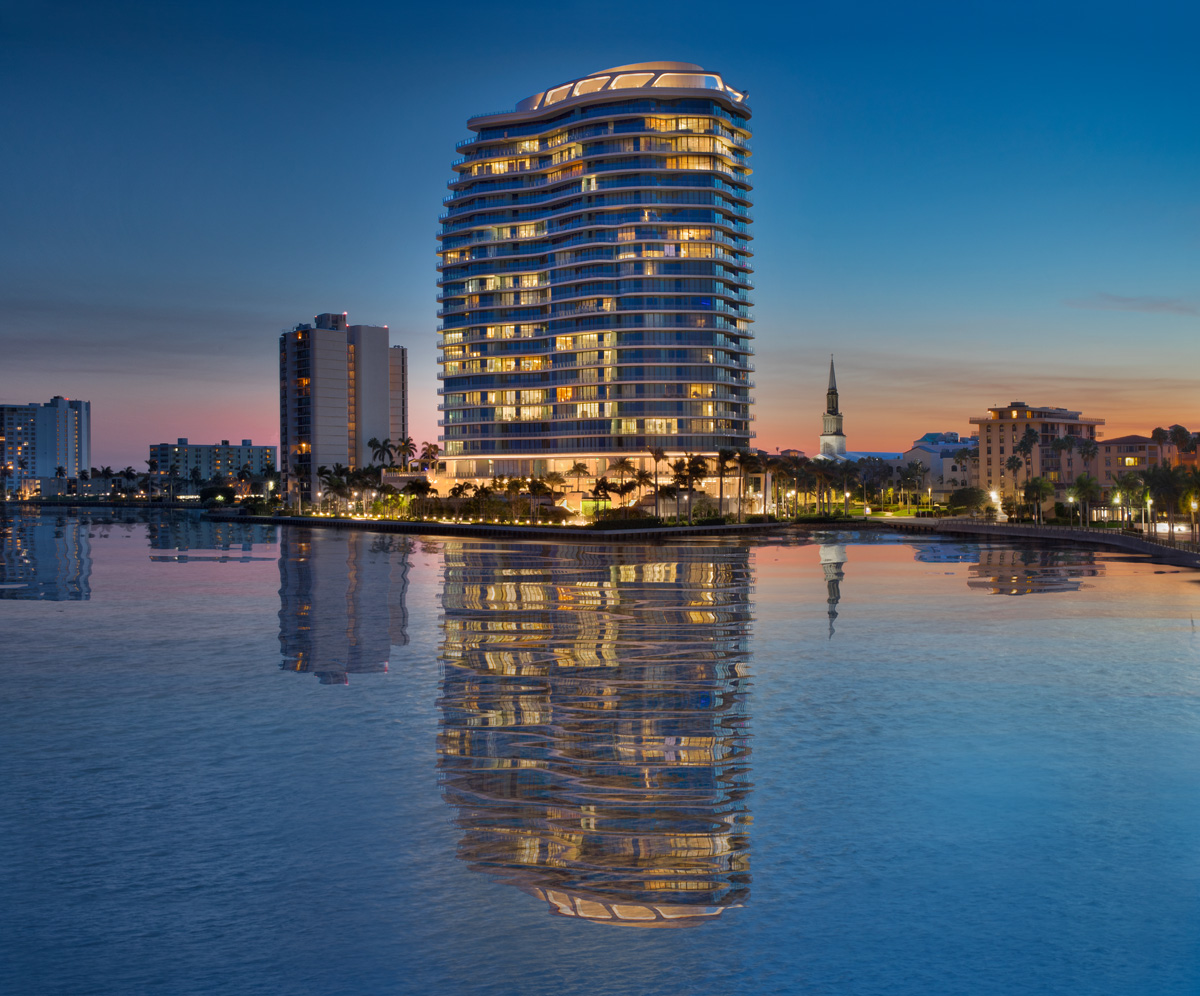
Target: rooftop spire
<point x="832" y="379"/>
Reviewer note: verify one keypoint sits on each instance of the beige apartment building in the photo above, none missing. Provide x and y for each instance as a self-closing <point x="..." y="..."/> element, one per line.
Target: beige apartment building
<point x="1134" y="454"/>
<point x="1004" y="426"/>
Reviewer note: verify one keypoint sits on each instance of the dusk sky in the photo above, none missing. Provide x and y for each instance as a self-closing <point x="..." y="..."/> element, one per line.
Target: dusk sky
<point x="968" y="204"/>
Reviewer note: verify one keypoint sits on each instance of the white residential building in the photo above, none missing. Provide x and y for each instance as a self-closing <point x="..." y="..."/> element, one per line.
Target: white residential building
<point x="37" y="439"/>
<point x="204" y="461"/>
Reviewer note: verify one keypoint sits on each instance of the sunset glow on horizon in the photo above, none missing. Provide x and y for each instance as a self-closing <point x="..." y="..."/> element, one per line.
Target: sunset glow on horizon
<point x="966" y="208"/>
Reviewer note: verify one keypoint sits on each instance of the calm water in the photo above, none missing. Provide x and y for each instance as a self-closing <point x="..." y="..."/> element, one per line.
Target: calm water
<point x="246" y="761"/>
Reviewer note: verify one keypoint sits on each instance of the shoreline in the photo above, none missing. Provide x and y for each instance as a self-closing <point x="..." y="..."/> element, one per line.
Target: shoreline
<point x="948" y="526"/>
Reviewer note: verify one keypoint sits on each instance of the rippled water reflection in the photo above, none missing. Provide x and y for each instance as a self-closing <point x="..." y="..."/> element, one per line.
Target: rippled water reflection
<point x="593" y="732"/>
<point x="834" y="757"/>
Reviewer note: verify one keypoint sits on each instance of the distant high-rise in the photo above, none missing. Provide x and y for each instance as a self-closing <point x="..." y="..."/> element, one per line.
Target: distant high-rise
<point x="339" y="387"/>
<point x="595" y="275"/>
<point x="37" y="439"/>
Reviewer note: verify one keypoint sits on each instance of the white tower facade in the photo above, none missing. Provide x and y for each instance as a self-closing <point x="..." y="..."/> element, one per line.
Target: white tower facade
<point x="833" y="439"/>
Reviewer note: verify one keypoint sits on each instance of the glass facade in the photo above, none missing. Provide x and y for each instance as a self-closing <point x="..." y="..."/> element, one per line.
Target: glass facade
<point x="595" y="275"/>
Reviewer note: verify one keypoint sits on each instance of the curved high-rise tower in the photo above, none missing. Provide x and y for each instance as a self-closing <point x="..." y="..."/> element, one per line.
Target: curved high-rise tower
<point x="595" y="276"/>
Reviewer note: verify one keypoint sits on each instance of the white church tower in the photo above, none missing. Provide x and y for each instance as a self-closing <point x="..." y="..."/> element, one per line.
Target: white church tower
<point x="833" y="440"/>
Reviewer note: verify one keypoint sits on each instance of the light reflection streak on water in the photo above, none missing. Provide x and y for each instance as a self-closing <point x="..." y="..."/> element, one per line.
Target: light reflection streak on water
<point x="593" y="725"/>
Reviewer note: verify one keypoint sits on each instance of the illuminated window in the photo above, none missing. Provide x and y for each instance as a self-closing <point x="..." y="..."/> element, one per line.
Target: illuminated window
<point x="558" y="93"/>
<point x="629" y="80"/>
<point x="690" y="80"/>
<point x="591" y="86"/>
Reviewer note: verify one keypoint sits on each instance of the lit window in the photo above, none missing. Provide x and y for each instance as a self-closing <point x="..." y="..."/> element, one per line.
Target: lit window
<point x="696" y="80"/>
<point x="591" y="86"/>
<point x="558" y="93"/>
<point x="629" y="80"/>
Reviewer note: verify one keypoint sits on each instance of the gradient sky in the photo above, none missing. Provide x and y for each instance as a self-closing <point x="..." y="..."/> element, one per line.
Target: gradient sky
<point x="968" y="203"/>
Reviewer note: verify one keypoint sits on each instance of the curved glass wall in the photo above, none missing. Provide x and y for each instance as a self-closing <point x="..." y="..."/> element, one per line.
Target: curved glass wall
<point x="595" y="274"/>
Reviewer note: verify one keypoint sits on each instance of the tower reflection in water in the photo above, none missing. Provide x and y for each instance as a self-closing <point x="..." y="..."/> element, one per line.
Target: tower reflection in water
<point x="593" y="728"/>
<point x="831" y="548"/>
<point x="46" y="557"/>
<point x="341" y="601"/>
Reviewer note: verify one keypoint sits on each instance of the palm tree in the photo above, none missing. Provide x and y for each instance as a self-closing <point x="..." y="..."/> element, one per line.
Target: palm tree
<point x="60" y="472"/>
<point x="1013" y="464"/>
<point x="555" y="482"/>
<point x="725" y="458"/>
<point x="578" y="470"/>
<point x="623" y="468"/>
<point x="680" y="479"/>
<point x="1086" y="490"/>
<point x="1167" y="485"/>
<point x="642" y="479"/>
<point x="748" y="463"/>
<point x="667" y="492"/>
<point x="1037" y="491"/>
<point x="696" y="469"/>
<point x="1160" y="437"/>
<point x="382" y="450"/>
<point x="1088" y="449"/>
<point x="1029" y="439"/>
<point x="657" y="454"/>
<point x="429" y="455"/>
<point x="404" y="451"/>
<point x="845" y="476"/>
<point x="1182" y="439"/>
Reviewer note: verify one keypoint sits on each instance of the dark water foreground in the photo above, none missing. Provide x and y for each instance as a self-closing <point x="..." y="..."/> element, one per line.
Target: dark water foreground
<point x="247" y="760"/>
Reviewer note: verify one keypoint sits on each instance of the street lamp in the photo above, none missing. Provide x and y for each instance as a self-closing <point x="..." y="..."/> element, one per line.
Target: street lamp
<point x="1071" y="500"/>
<point x="1194" y="521"/>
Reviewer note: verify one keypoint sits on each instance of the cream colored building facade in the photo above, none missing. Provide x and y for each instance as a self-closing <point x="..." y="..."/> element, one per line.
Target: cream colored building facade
<point x="1004" y="426"/>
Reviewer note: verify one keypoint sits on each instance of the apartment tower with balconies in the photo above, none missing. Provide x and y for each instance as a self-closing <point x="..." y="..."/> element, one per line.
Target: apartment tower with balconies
<point x="595" y="276"/>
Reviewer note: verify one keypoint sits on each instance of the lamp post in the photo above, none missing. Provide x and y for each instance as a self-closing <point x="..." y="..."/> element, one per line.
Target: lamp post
<point x="846" y="502"/>
<point x="1147" y="517"/>
<point x="1071" y="501"/>
<point x="1194" y="521"/>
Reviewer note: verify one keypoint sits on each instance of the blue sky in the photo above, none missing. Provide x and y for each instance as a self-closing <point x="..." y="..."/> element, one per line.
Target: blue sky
<point x="967" y="203"/>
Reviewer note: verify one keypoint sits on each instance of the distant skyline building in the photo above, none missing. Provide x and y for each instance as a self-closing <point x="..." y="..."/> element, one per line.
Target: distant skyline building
<point x="595" y="276"/>
<point x="36" y="439"/>
<point x="340" y="386"/>
<point x="209" y="460"/>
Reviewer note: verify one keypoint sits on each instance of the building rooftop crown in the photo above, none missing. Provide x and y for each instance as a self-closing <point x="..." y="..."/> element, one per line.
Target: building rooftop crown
<point x="635" y="76"/>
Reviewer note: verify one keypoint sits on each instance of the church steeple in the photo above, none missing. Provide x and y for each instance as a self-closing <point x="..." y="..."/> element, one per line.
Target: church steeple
<point x="831" y="395"/>
<point x="833" y="440"/>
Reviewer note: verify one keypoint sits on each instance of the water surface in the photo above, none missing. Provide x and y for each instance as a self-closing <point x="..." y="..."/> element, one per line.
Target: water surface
<point x="246" y="760"/>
